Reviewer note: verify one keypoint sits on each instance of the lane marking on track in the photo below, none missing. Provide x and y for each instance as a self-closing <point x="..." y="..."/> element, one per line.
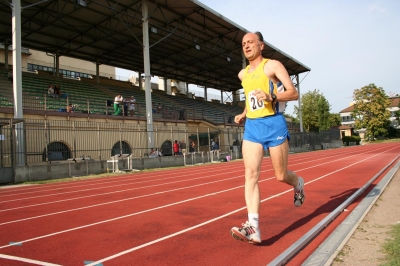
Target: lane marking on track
<point x="173" y="204"/>
<point x="126" y="199"/>
<point x="143" y="175"/>
<point x="119" y="191"/>
<point x="152" y="194"/>
<point x="37" y="262"/>
<point x="212" y="220"/>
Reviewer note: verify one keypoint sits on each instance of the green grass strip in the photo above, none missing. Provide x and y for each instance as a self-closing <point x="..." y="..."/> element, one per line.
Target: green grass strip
<point x="392" y="247"/>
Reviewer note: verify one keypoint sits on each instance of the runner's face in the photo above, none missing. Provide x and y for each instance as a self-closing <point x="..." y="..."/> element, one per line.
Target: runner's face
<point x="251" y="46"/>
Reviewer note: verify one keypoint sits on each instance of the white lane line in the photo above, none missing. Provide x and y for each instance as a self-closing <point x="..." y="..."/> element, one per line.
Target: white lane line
<point x="119" y="191"/>
<point x="117" y="201"/>
<point x="124" y="216"/>
<point x="142" y="175"/>
<point x="177" y="203"/>
<point x="78" y="184"/>
<point x="146" y="181"/>
<point x="37" y="262"/>
<point x="118" y="185"/>
<point x="212" y="220"/>
<point x="111" y="202"/>
<point x="156" y="193"/>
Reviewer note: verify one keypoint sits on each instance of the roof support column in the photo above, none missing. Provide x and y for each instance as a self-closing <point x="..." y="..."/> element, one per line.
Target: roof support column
<point x="97" y="71"/>
<point x="147" y="75"/>
<point x="20" y="149"/>
<point x="205" y="93"/>
<point x="17" y="65"/>
<point x="6" y="53"/>
<point x="300" y="111"/>
<point x="222" y="96"/>
<point x="57" y="63"/>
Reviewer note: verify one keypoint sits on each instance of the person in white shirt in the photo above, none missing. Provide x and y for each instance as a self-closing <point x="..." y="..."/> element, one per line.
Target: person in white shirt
<point x="155" y="153"/>
<point x="50" y="90"/>
<point x="118" y="101"/>
<point x="131" y="107"/>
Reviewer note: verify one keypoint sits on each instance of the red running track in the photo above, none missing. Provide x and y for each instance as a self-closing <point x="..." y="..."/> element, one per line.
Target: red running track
<point x="180" y="216"/>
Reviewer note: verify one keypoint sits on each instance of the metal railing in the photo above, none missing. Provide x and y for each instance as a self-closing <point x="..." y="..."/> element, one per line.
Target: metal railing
<point x="46" y="105"/>
<point x="37" y="141"/>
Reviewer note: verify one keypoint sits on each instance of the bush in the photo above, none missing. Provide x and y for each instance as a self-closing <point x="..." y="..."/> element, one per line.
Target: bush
<point x="347" y="139"/>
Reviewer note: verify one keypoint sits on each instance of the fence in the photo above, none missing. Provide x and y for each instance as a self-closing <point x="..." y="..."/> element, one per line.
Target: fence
<point x="31" y="141"/>
<point x="38" y="149"/>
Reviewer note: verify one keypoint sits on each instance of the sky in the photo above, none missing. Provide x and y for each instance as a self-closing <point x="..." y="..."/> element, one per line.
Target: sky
<point x="347" y="44"/>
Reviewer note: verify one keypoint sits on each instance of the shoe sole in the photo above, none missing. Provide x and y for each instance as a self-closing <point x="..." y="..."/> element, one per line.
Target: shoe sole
<point x="300" y="201"/>
<point x="238" y="236"/>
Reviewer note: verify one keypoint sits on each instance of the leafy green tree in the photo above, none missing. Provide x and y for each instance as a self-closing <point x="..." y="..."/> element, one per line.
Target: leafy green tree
<point x="323" y="113"/>
<point x="294" y="119"/>
<point x="309" y="108"/>
<point x="334" y="119"/>
<point x="370" y="110"/>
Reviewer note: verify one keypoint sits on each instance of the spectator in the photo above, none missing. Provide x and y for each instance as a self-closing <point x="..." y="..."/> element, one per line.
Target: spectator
<point x="181" y="114"/>
<point x="191" y="149"/>
<point x="176" y="148"/>
<point x="154" y="108"/>
<point x="70" y="108"/>
<point x="132" y="103"/>
<point x="117" y="102"/>
<point x="151" y="151"/>
<point x="57" y="90"/>
<point x="183" y="147"/>
<point x="212" y="144"/>
<point x="216" y="144"/>
<point x="155" y="153"/>
<point x="192" y="146"/>
<point x="159" y="108"/>
<point x="50" y="90"/>
<point x="126" y="102"/>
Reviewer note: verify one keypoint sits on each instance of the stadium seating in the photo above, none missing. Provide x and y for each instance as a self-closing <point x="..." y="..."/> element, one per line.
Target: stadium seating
<point x="93" y="97"/>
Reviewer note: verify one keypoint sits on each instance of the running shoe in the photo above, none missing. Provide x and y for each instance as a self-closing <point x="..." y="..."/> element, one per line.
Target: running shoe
<point x="299" y="196"/>
<point x="248" y="233"/>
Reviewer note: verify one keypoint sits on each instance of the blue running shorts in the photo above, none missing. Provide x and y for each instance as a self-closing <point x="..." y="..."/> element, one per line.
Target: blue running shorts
<point x="269" y="131"/>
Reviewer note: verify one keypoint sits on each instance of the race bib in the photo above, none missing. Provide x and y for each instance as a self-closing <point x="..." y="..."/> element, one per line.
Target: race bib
<point x="253" y="103"/>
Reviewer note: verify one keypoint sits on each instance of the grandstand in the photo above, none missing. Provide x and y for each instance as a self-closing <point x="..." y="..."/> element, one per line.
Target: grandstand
<point x="92" y="98"/>
<point x="49" y="139"/>
<point x="202" y="121"/>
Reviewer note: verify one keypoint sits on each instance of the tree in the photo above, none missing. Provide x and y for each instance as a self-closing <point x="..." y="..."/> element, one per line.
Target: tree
<point x="323" y="113"/>
<point x="309" y="108"/>
<point x="334" y="119"/>
<point x="370" y="110"/>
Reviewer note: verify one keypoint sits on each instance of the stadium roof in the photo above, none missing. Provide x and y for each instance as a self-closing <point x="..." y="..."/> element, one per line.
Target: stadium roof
<point x="188" y="40"/>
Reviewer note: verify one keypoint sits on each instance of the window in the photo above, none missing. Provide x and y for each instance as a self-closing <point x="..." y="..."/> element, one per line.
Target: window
<point x="116" y="149"/>
<point x="56" y="151"/>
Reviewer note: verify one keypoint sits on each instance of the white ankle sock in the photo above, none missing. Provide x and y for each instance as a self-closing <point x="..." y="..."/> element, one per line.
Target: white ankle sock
<point x="253" y="219"/>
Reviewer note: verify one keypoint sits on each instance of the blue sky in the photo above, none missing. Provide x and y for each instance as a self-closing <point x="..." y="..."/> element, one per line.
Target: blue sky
<point x="347" y="44"/>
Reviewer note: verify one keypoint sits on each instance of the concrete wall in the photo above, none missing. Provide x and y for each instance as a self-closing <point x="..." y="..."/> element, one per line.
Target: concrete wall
<point x="90" y="167"/>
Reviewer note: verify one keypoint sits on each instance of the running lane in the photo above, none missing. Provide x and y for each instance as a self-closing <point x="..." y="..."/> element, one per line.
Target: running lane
<point x="178" y="217"/>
